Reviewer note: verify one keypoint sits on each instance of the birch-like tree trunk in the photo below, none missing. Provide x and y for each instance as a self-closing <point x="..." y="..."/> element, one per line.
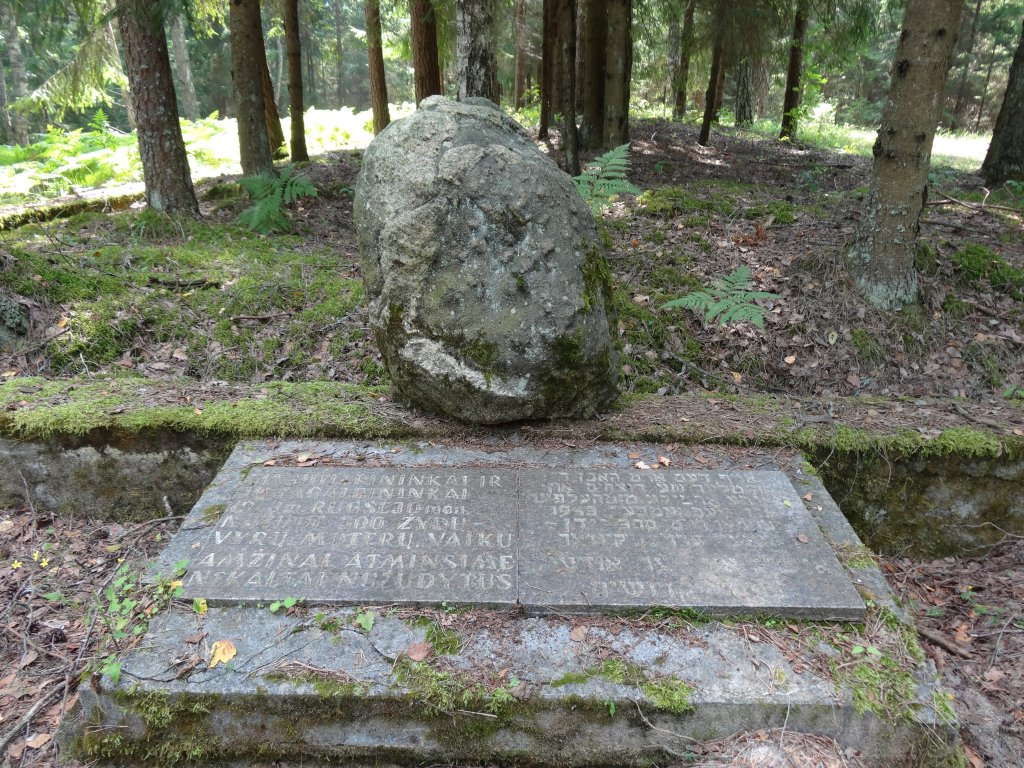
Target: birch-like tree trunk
<point x="339" y="39"/>
<point x="881" y="258"/>
<point x="148" y="66"/>
<point x="1005" y="157"/>
<point x="16" y="63"/>
<point x="475" y="49"/>
<point x="183" y="68"/>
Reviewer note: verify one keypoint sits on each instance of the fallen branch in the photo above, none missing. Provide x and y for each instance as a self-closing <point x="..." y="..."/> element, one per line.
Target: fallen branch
<point x="975" y="206"/>
<point x="27" y="350"/>
<point x="942" y="641"/>
<point x="12" y="734"/>
<point x="979" y="419"/>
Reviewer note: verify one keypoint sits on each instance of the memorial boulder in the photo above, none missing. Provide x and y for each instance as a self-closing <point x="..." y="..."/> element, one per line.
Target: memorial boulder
<point x="489" y="295"/>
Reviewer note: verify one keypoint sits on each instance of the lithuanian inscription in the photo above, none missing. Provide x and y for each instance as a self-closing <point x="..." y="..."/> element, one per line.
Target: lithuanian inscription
<point x="576" y="540"/>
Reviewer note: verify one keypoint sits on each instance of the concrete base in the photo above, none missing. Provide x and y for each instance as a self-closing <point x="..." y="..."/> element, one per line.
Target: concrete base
<point x="317" y="685"/>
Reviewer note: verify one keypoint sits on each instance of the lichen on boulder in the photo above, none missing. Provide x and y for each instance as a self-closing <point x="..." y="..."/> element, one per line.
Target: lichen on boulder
<point x="489" y="294"/>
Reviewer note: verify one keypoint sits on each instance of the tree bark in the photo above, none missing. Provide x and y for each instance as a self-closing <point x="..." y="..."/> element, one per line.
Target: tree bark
<point x="1005" y="157"/>
<point x="378" y="85"/>
<point x="339" y="71"/>
<point x="594" y="43"/>
<point x="475" y="49"/>
<point x="744" y="93"/>
<point x="19" y="76"/>
<point x="521" y="39"/>
<point x="5" y="115"/>
<point x="984" y="89"/>
<point x="275" y="133"/>
<point x="570" y="138"/>
<point x="309" y="82"/>
<point x="547" y="66"/>
<point x="296" y="105"/>
<point x="960" y="105"/>
<point x="246" y="74"/>
<point x="760" y="84"/>
<point x="881" y="258"/>
<point x="711" y="95"/>
<point x="183" y="67"/>
<point x="683" y="69"/>
<point x="794" y="73"/>
<point x="164" y="162"/>
<point x="424" y="49"/>
<point x="618" y="72"/>
<point x="279" y="62"/>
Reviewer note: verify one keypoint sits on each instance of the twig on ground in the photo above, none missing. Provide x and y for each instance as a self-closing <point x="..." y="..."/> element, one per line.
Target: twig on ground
<point x="975" y="206"/>
<point x="942" y="641"/>
<point x="12" y="734"/>
<point x="979" y="419"/>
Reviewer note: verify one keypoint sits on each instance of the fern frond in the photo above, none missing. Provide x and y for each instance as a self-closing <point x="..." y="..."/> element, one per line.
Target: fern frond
<point x="605" y="178"/>
<point x="270" y="194"/>
<point x="728" y="300"/>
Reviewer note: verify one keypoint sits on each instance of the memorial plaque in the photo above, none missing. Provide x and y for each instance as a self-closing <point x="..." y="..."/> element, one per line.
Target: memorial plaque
<point x="353" y="535"/>
<point x="720" y="542"/>
<point x="576" y="540"/>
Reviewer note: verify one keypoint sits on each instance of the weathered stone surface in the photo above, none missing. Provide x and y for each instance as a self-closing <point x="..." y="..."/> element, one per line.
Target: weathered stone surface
<point x="489" y="293"/>
<point x="572" y="541"/>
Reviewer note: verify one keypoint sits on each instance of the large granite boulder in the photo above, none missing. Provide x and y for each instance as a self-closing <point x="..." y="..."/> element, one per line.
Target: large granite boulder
<point x="488" y="288"/>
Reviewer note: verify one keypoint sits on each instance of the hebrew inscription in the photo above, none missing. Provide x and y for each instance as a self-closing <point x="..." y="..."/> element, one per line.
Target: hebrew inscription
<point x="577" y="540"/>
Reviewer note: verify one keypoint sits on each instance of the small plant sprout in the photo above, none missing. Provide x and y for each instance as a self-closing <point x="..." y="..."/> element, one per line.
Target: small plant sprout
<point x="365" y="620"/>
<point x="729" y="300"/>
<point x="287" y="603"/>
<point x="604" y="179"/>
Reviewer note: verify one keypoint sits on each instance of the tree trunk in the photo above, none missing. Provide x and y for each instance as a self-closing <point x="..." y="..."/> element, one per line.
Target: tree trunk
<point x="16" y="63"/>
<point x="309" y="82"/>
<point x="794" y="73"/>
<point x="424" y="49"/>
<point x="570" y="138"/>
<point x="275" y="133"/>
<point x="296" y="105"/>
<point x="711" y="95"/>
<point x="279" y="57"/>
<point x="760" y="84"/>
<point x="1005" y="157"/>
<point x="618" y="71"/>
<point x="960" y="106"/>
<point x="547" y="66"/>
<point x="475" y="47"/>
<point x="378" y="85"/>
<point x="5" y="115"/>
<point x="126" y="95"/>
<point x="339" y="28"/>
<point x="674" y="33"/>
<point x="183" y="67"/>
<point x="881" y="258"/>
<point x="594" y="43"/>
<point x="164" y="162"/>
<point x="521" y="40"/>
<point x="683" y="70"/>
<point x="984" y="90"/>
<point x="744" y="93"/>
<point x="720" y="88"/>
<point x="246" y="74"/>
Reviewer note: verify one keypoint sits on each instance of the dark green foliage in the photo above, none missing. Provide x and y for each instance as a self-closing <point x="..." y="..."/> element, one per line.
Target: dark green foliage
<point x="978" y="262"/>
<point x="728" y="300"/>
<point x="604" y="178"/>
<point x="270" y="194"/>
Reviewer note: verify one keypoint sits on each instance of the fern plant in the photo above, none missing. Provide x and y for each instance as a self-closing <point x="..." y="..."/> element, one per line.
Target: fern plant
<point x="605" y="178"/>
<point x="727" y="300"/>
<point x="270" y="194"/>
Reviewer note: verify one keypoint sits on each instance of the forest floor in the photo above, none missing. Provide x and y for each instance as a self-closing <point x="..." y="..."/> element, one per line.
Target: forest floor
<point x="201" y="311"/>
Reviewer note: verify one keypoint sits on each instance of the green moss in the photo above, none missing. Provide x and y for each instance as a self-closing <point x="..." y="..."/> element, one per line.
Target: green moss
<point x="212" y="513"/>
<point x="925" y="259"/>
<point x="867" y="346"/>
<point x="445" y="641"/>
<point x="782" y="211"/>
<point x="977" y="263"/>
<point x="956" y="307"/>
<point x="673" y="201"/>
<point x="857" y="557"/>
<point x="445" y="691"/>
<point x="325" y="685"/>
<point x="597" y="282"/>
<point x="570" y="678"/>
<point x="482" y="354"/>
<point x="670" y="694"/>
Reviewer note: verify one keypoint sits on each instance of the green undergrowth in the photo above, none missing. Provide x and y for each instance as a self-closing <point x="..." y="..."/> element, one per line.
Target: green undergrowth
<point x="36" y="407"/>
<point x="722" y="198"/>
<point x="143" y="289"/>
<point x="976" y="262"/>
